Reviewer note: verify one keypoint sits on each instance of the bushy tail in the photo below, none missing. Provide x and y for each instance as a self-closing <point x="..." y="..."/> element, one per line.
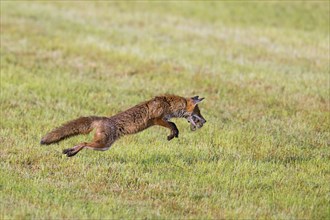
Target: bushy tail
<point x="82" y="125"/>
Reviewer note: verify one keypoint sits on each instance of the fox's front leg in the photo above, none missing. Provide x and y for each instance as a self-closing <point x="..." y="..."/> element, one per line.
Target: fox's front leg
<point x="174" y="131"/>
<point x="168" y="124"/>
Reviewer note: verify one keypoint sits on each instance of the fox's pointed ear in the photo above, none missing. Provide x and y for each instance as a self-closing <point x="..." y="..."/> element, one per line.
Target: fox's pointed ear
<point x="196" y="99"/>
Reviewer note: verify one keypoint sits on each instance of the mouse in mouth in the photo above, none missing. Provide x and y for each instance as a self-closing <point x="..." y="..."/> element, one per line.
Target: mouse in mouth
<point x="196" y="119"/>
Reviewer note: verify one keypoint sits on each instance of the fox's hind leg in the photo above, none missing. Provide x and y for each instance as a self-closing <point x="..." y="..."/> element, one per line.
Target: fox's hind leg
<point x="102" y="141"/>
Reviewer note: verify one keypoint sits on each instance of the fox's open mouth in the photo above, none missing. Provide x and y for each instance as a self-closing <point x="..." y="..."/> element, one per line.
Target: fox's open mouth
<point x="196" y="122"/>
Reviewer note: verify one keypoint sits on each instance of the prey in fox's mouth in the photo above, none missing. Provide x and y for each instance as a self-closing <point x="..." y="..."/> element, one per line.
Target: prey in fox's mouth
<point x="196" y="122"/>
<point x="196" y="119"/>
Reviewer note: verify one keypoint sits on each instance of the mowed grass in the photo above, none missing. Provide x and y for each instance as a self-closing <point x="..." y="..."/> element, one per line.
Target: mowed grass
<point x="263" y="68"/>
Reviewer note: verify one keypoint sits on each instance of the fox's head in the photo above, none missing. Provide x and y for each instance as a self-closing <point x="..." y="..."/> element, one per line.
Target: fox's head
<point x="194" y="117"/>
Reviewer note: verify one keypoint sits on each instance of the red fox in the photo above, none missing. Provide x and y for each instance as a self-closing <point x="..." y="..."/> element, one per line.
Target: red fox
<point x="157" y="111"/>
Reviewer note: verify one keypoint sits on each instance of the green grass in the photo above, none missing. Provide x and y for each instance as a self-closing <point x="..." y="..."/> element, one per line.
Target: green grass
<point x="263" y="68"/>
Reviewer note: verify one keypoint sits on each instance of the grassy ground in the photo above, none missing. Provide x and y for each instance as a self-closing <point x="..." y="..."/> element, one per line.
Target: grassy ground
<point x="263" y="68"/>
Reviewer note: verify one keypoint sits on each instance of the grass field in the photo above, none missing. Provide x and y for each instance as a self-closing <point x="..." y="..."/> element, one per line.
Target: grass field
<point x="263" y="68"/>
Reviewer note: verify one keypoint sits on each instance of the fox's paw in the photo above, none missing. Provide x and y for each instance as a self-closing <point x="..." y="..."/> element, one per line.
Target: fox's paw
<point x="173" y="135"/>
<point x="170" y="137"/>
<point x="70" y="152"/>
<point x="65" y="151"/>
